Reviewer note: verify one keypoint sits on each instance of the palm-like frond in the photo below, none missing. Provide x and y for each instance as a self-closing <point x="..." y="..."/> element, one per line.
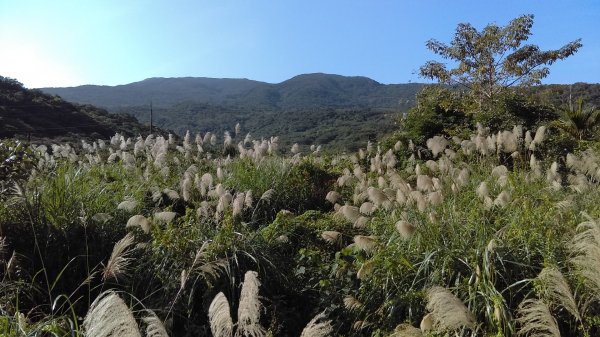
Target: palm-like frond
<point x="579" y="121"/>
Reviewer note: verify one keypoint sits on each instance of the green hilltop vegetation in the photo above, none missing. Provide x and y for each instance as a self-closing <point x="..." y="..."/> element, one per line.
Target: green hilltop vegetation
<point x="335" y="111"/>
<point x="477" y="216"/>
<point x="338" y="112"/>
<point x="33" y="114"/>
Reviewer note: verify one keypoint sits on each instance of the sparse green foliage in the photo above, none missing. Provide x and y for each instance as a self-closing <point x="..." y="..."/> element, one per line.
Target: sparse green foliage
<point x="493" y="59"/>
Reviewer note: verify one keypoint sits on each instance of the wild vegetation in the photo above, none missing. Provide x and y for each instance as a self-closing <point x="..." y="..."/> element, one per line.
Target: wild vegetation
<point x="32" y="114"/>
<point x="466" y="222"/>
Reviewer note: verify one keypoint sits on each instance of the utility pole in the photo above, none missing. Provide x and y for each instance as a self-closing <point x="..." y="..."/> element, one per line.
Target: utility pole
<point x="150" y="117"/>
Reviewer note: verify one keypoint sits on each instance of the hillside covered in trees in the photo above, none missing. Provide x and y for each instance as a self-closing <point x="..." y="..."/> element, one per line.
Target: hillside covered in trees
<point x="26" y="113"/>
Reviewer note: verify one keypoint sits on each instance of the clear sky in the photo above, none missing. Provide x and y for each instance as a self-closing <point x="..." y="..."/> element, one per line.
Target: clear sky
<point x="109" y="42"/>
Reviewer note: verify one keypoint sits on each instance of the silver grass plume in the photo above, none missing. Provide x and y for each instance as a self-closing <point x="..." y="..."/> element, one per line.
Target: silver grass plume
<point x="120" y="258"/>
<point x="350" y="213"/>
<point x="207" y="179"/>
<point x="427" y="322"/>
<point x="333" y="197"/>
<point x="366" y="243"/>
<point x="535" y="320"/>
<point x="482" y="190"/>
<point x="128" y="205"/>
<point x="377" y="196"/>
<point x="381" y="183"/>
<point x="405" y="228"/>
<point x="109" y="316"/>
<point x="432" y="165"/>
<point x="331" y="237"/>
<point x="154" y="326"/>
<point x="249" y="307"/>
<point x="351" y="303"/>
<point x="502" y="199"/>
<point x="367" y="208"/>
<point x="585" y="249"/>
<point x="406" y="330"/>
<point x="171" y="194"/>
<point x="556" y="289"/>
<point x="448" y="311"/>
<point x="238" y="204"/>
<point x="102" y="217"/>
<point x="499" y="171"/>
<point x="437" y="145"/>
<point x="314" y="328"/>
<point x="219" y="316"/>
<point x="165" y="217"/>
<point x="435" y="198"/>
<point x="295" y="148"/>
<point x="139" y="221"/>
<point x="365" y="270"/>
<point x="424" y="183"/>
<point x="361" y="222"/>
<point x="248" y="199"/>
<point x="186" y="187"/>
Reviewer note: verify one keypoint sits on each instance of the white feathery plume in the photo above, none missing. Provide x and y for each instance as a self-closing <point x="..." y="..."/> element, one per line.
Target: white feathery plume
<point x="381" y="183"/>
<point x="295" y="148"/>
<point x="139" y="221"/>
<point x="186" y="187"/>
<point x="367" y="208"/>
<point x="406" y="330"/>
<point x="502" y="199"/>
<point x="365" y="270"/>
<point x="435" y="198"/>
<point x="219" y="316"/>
<point x="171" y="194"/>
<point x="499" y="171"/>
<point x="154" y="326"/>
<point x="331" y="237"/>
<point x="437" y="145"/>
<point x="120" y="258"/>
<point x="249" y="307"/>
<point x="248" y="199"/>
<point x="366" y="243"/>
<point x="432" y="165"/>
<point x="102" y="217"/>
<point x="405" y="228"/>
<point x="585" y="248"/>
<point x="350" y="213"/>
<point x="449" y="312"/>
<point x="165" y="217"/>
<point x="109" y="316"/>
<point x="314" y="328"/>
<point x="361" y="222"/>
<point x="333" y="197"/>
<point x="424" y="183"/>
<point x="535" y="320"/>
<point x="238" y="204"/>
<point x="482" y="190"/>
<point x="462" y="178"/>
<point x="377" y="196"/>
<point x="556" y="289"/>
<point x="351" y="303"/>
<point x="540" y="135"/>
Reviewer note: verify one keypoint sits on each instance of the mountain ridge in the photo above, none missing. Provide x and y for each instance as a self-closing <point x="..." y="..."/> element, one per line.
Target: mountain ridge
<point x="301" y="91"/>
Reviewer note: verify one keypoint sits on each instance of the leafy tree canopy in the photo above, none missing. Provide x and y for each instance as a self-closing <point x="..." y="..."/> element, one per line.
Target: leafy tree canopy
<point x="493" y="59"/>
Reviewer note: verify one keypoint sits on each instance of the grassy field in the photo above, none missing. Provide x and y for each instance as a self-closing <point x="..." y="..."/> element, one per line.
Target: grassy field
<point x="221" y="235"/>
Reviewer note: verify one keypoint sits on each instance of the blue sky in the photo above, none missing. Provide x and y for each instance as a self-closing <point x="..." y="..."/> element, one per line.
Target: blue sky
<point x="110" y="42"/>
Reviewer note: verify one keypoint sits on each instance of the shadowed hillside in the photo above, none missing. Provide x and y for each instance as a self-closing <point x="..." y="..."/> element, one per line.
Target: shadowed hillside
<point x="32" y="113"/>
